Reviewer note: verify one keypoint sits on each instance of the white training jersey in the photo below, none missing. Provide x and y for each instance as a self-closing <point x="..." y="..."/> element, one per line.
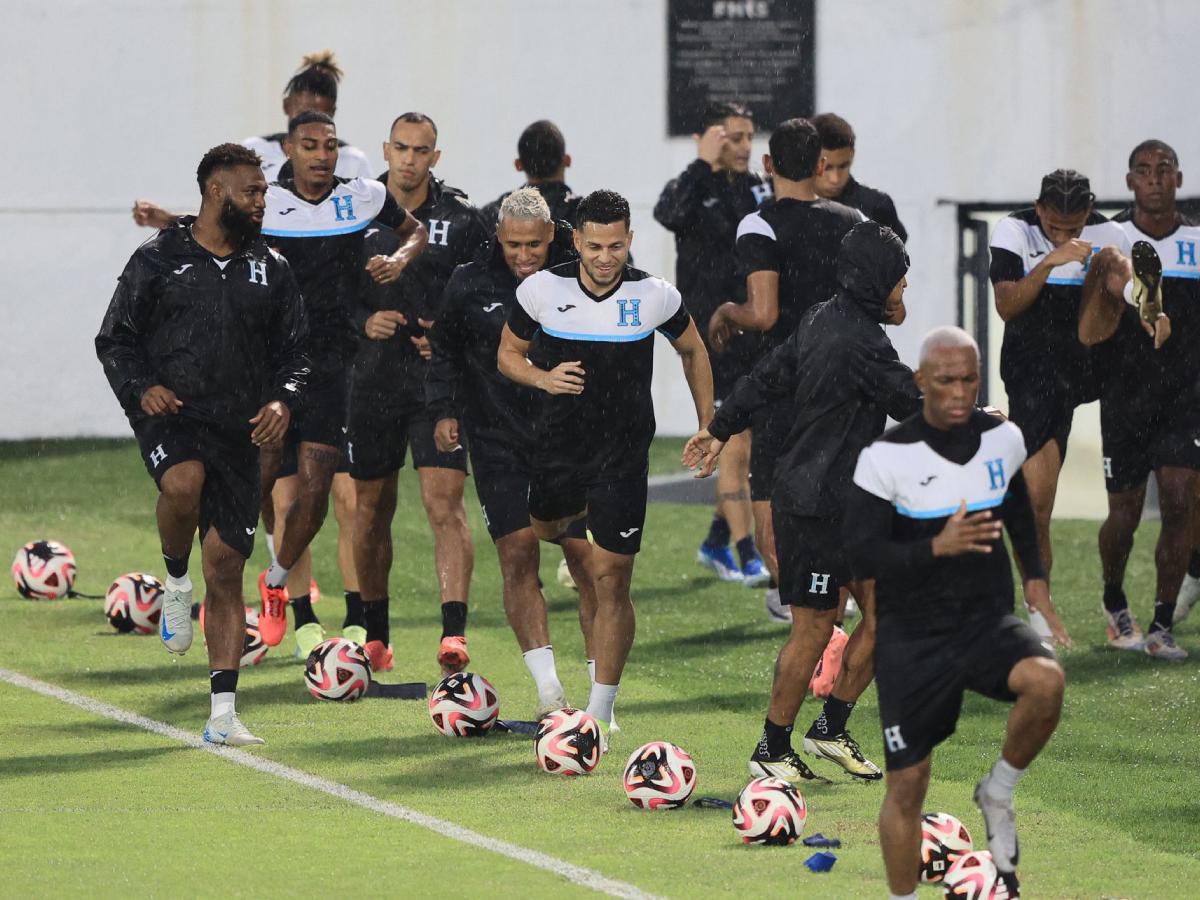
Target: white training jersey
<point x="1022" y="236"/>
<point x="352" y="162"/>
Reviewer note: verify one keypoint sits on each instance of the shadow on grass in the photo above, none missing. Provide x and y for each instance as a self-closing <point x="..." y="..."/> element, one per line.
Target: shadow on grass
<point x="46" y="448"/>
<point x="70" y="763"/>
<point x="718" y="640"/>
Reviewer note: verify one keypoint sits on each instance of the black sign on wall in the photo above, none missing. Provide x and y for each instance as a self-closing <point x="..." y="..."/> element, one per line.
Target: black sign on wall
<point x="757" y="52"/>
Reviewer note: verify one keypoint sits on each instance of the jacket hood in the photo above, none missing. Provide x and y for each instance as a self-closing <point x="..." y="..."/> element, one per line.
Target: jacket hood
<point x="871" y="260"/>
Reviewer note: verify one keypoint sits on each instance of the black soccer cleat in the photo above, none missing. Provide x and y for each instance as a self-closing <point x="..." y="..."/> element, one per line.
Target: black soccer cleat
<point x="1147" y="282"/>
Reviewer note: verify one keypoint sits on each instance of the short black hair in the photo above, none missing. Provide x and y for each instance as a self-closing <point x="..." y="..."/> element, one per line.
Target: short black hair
<point x="319" y="74"/>
<point x="1154" y="144"/>
<point x="308" y="117"/>
<point x="718" y="111"/>
<point x="1066" y="191"/>
<point x="602" y="207"/>
<point x="795" y="149"/>
<point x="415" y="118"/>
<point x="541" y="149"/>
<point x="835" y="132"/>
<point x="224" y="156"/>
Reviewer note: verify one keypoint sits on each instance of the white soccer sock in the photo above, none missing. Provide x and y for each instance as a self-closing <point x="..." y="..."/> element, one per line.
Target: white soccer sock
<point x="1002" y="781"/>
<point x="271" y="549"/>
<point x="276" y="576"/>
<point x="1127" y="293"/>
<point x="540" y="661"/>
<point x="600" y="703"/>
<point x="222" y="703"/>
<point x="592" y="670"/>
<point x="179" y="584"/>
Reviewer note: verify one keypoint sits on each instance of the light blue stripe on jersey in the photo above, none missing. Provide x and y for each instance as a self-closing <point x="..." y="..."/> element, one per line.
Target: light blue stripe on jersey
<point x="1063" y="280"/>
<point x="949" y="510"/>
<point x="1192" y="274"/>
<point x="608" y="338"/>
<point x="322" y="232"/>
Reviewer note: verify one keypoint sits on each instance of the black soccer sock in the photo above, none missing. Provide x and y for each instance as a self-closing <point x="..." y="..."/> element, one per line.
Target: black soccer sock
<point x="776" y="739"/>
<point x="177" y="566"/>
<point x="1114" y="598"/>
<point x="832" y="720"/>
<point x="746" y="550"/>
<point x="222" y="681"/>
<point x="354" y="610"/>
<point x="1164" y="615"/>
<point x="454" y="619"/>
<point x="773" y="584"/>
<point x="718" y="533"/>
<point x="375" y="614"/>
<point x="1194" y="564"/>
<point x="302" y="611"/>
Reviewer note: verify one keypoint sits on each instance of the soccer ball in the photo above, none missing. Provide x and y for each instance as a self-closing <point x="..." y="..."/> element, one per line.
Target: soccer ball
<point x="659" y="776"/>
<point x="134" y="603"/>
<point x="973" y="876"/>
<point x="337" y="669"/>
<point x="44" y="570"/>
<point x="943" y="840"/>
<point x="567" y="742"/>
<point x="769" y="811"/>
<point x="254" y="648"/>
<point x="464" y="705"/>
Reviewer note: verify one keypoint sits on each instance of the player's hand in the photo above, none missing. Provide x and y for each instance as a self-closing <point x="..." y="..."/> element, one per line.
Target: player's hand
<point x="1037" y="598"/>
<point x="700" y="453"/>
<point x="383" y="324"/>
<point x="160" y="401"/>
<point x="1160" y="330"/>
<point x="720" y="329"/>
<point x="422" y="342"/>
<point x="270" y="424"/>
<point x="565" y="378"/>
<point x="445" y="435"/>
<point x="710" y="144"/>
<point x="385" y="269"/>
<point x="1072" y="251"/>
<point x="962" y="533"/>
<point x="150" y="215"/>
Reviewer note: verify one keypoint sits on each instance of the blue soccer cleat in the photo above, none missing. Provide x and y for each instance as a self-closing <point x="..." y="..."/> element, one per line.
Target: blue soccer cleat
<point x="720" y="560"/>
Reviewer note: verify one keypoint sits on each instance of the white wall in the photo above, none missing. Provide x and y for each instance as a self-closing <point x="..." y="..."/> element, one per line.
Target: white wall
<point x="969" y="101"/>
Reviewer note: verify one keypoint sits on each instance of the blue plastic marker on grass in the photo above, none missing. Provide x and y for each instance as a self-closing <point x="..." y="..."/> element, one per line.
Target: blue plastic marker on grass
<point x="821" y="862"/>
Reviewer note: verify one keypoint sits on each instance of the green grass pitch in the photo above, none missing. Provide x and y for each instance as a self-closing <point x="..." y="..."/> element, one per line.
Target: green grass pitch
<point x="88" y="804"/>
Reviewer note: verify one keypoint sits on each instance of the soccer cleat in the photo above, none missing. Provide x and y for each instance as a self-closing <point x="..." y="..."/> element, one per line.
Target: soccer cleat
<point x="1160" y="644"/>
<point x="789" y="766"/>
<point x="843" y="750"/>
<point x="1001" y="822"/>
<point x="830" y="664"/>
<point x="1147" y="281"/>
<point x="452" y="655"/>
<point x="272" y="619"/>
<point x="549" y="706"/>
<point x="720" y="560"/>
<point x="613" y="727"/>
<point x="777" y="611"/>
<point x="1189" y="593"/>
<point x="605" y="728"/>
<point x="175" y="623"/>
<point x="355" y="633"/>
<point x="1122" y="630"/>
<point x="380" y="656"/>
<point x="307" y="637"/>
<point x="314" y="592"/>
<point x="754" y="573"/>
<point x="228" y="729"/>
<point x="851" y="609"/>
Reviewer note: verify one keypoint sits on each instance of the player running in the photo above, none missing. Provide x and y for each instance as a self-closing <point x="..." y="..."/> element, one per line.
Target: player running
<point x="703" y="207"/>
<point x="595" y="321"/>
<point x="1150" y="405"/>
<point x="387" y="408"/>
<point x="205" y="323"/>
<point x="542" y="156"/>
<point x="924" y="518"/>
<point x="473" y="403"/>
<point x="835" y="181"/>
<point x="841" y="377"/>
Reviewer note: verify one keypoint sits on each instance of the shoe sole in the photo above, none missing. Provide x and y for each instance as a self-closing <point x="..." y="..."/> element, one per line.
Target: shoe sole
<point x="760" y="770"/>
<point x="1147" y="269"/>
<point x="812" y="749"/>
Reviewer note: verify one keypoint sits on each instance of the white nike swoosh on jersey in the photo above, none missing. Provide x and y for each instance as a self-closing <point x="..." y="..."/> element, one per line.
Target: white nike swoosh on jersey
<point x="629" y="533"/>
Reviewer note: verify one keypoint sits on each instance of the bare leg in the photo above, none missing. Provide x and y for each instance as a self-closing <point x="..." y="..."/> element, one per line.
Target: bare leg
<point x="798" y="660"/>
<point x="317" y="463"/>
<point x="284" y="495"/>
<point x="578" y="554"/>
<point x="344" y="511"/>
<point x="225" y="612"/>
<point x="178" y="507"/>
<point x="615" y="623"/>
<point x="524" y="604"/>
<point x="1116" y="534"/>
<point x="454" y="552"/>
<point x="375" y="508"/>
<point x="733" y="486"/>
<point x="900" y="825"/>
<point x="1041" y="477"/>
<point x="1039" y="684"/>
<point x="764" y="536"/>
<point x="858" y="659"/>
<point x="1176" y="489"/>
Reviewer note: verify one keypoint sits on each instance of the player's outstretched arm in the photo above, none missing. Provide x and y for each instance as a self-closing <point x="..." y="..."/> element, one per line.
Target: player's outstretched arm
<point x="771" y="379"/>
<point x="149" y="214"/>
<point x="881" y="377"/>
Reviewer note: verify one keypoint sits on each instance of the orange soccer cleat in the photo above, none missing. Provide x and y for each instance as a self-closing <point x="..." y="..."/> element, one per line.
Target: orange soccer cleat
<point x="452" y="655"/>
<point x="272" y="621"/>
<point x="380" y="656"/>
<point x="830" y="665"/>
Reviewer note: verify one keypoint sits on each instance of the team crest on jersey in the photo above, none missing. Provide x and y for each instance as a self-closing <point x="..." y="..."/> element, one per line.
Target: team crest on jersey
<point x="629" y="312"/>
<point x="258" y="272"/>
<point x="343" y="208"/>
<point x="995" y="470"/>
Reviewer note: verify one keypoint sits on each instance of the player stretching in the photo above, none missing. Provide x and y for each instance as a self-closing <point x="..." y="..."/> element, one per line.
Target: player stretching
<point x="387" y="408"/>
<point x="841" y="377"/>
<point x="206" y="321"/>
<point x="1150" y="407"/>
<point x="924" y="518"/>
<point x="469" y="397"/>
<point x="595" y="321"/>
<point x="703" y="207"/>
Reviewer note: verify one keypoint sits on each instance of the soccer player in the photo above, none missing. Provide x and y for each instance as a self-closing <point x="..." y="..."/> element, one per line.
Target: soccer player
<point x="1150" y="405"/>
<point x="314" y="86"/>
<point x="542" y="156"/>
<point x="387" y="408"/>
<point x="703" y="207"/>
<point x="469" y="398"/>
<point x="842" y="378"/>
<point x="594" y="321"/>
<point x="787" y="250"/>
<point x="835" y="181"/>
<point x="1038" y="262"/>
<point x="924" y="518"/>
<point x="205" y="323"/>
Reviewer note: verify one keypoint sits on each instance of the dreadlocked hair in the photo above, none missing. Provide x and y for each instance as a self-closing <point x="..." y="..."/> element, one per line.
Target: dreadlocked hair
<point x="319" y="74"/>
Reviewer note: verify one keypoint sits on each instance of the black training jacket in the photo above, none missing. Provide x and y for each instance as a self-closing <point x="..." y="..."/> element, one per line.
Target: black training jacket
<point x="874" y="204"/>
<point x="224" y="340"/>
<point x="557" y="194"/>
<point x="843" y="374"/>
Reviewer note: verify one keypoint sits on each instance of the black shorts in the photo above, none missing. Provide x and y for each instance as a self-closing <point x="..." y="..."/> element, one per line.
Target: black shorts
<point x="812" y="560"/>
<point x="503" y="499"/>
<point x="770" y="427"/>
<point x="229" y="498"/>
<point x="729" y="366"/>
<point x="616" y="508"/>
<point x="921" y="678"/>
<point x="1043" y="413"/>
<point x="379" y="435"/>
<point x="1148" y="434"/>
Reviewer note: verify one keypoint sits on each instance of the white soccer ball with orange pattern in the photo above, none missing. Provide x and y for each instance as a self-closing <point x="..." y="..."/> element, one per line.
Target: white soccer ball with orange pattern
<point x="659" y="776"/>
<point x="44" y="570"/>
<point x="943" y="840"/>
<point x="769" y="811"/>
<point x="568" y="742"/>
<point x="134" y="603"/>
<point x="464" y="705"/>
<point x="337" y="669"/>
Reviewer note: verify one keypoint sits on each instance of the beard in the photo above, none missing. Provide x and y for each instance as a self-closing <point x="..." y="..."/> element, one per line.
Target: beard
<point x="238" y="224"/>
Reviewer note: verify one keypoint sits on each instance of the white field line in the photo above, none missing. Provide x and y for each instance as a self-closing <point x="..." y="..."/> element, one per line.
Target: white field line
<point x="575" y="874"/>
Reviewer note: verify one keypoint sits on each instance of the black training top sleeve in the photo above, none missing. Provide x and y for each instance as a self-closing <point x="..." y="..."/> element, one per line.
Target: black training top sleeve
<point x="119" y="344"/>
<point x="757" y="253"/>
<point x="679" y="203"/>
<point x="675" y="326"/>
<point x="881" y="377"/>
<point x="287" y="340"/>
<point x="872" y="551"/>
<point x="1006" y="266"/>
<point x="768" y="382"/>
<point x="521" y="323"/>
<point x="1017" y="514"/>
<point x="393" y="215"/>
<point x="443" y="381"/>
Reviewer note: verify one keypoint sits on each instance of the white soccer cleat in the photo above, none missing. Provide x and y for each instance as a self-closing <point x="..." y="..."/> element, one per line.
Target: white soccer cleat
<point x="851" y="609"/>
<point x="1160" y="644"/>
<point x="175" y="624"/>
<point x="1123" y="631"/>
<point x="228" y="729"/>
<point x="548" y="706"/>
<point x="789" y="767"/>
<point x="843" y="750"/>
<point x="776" y="610"/>
<point x="1001" y="822"/>
<point x="1189" y="593"/>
